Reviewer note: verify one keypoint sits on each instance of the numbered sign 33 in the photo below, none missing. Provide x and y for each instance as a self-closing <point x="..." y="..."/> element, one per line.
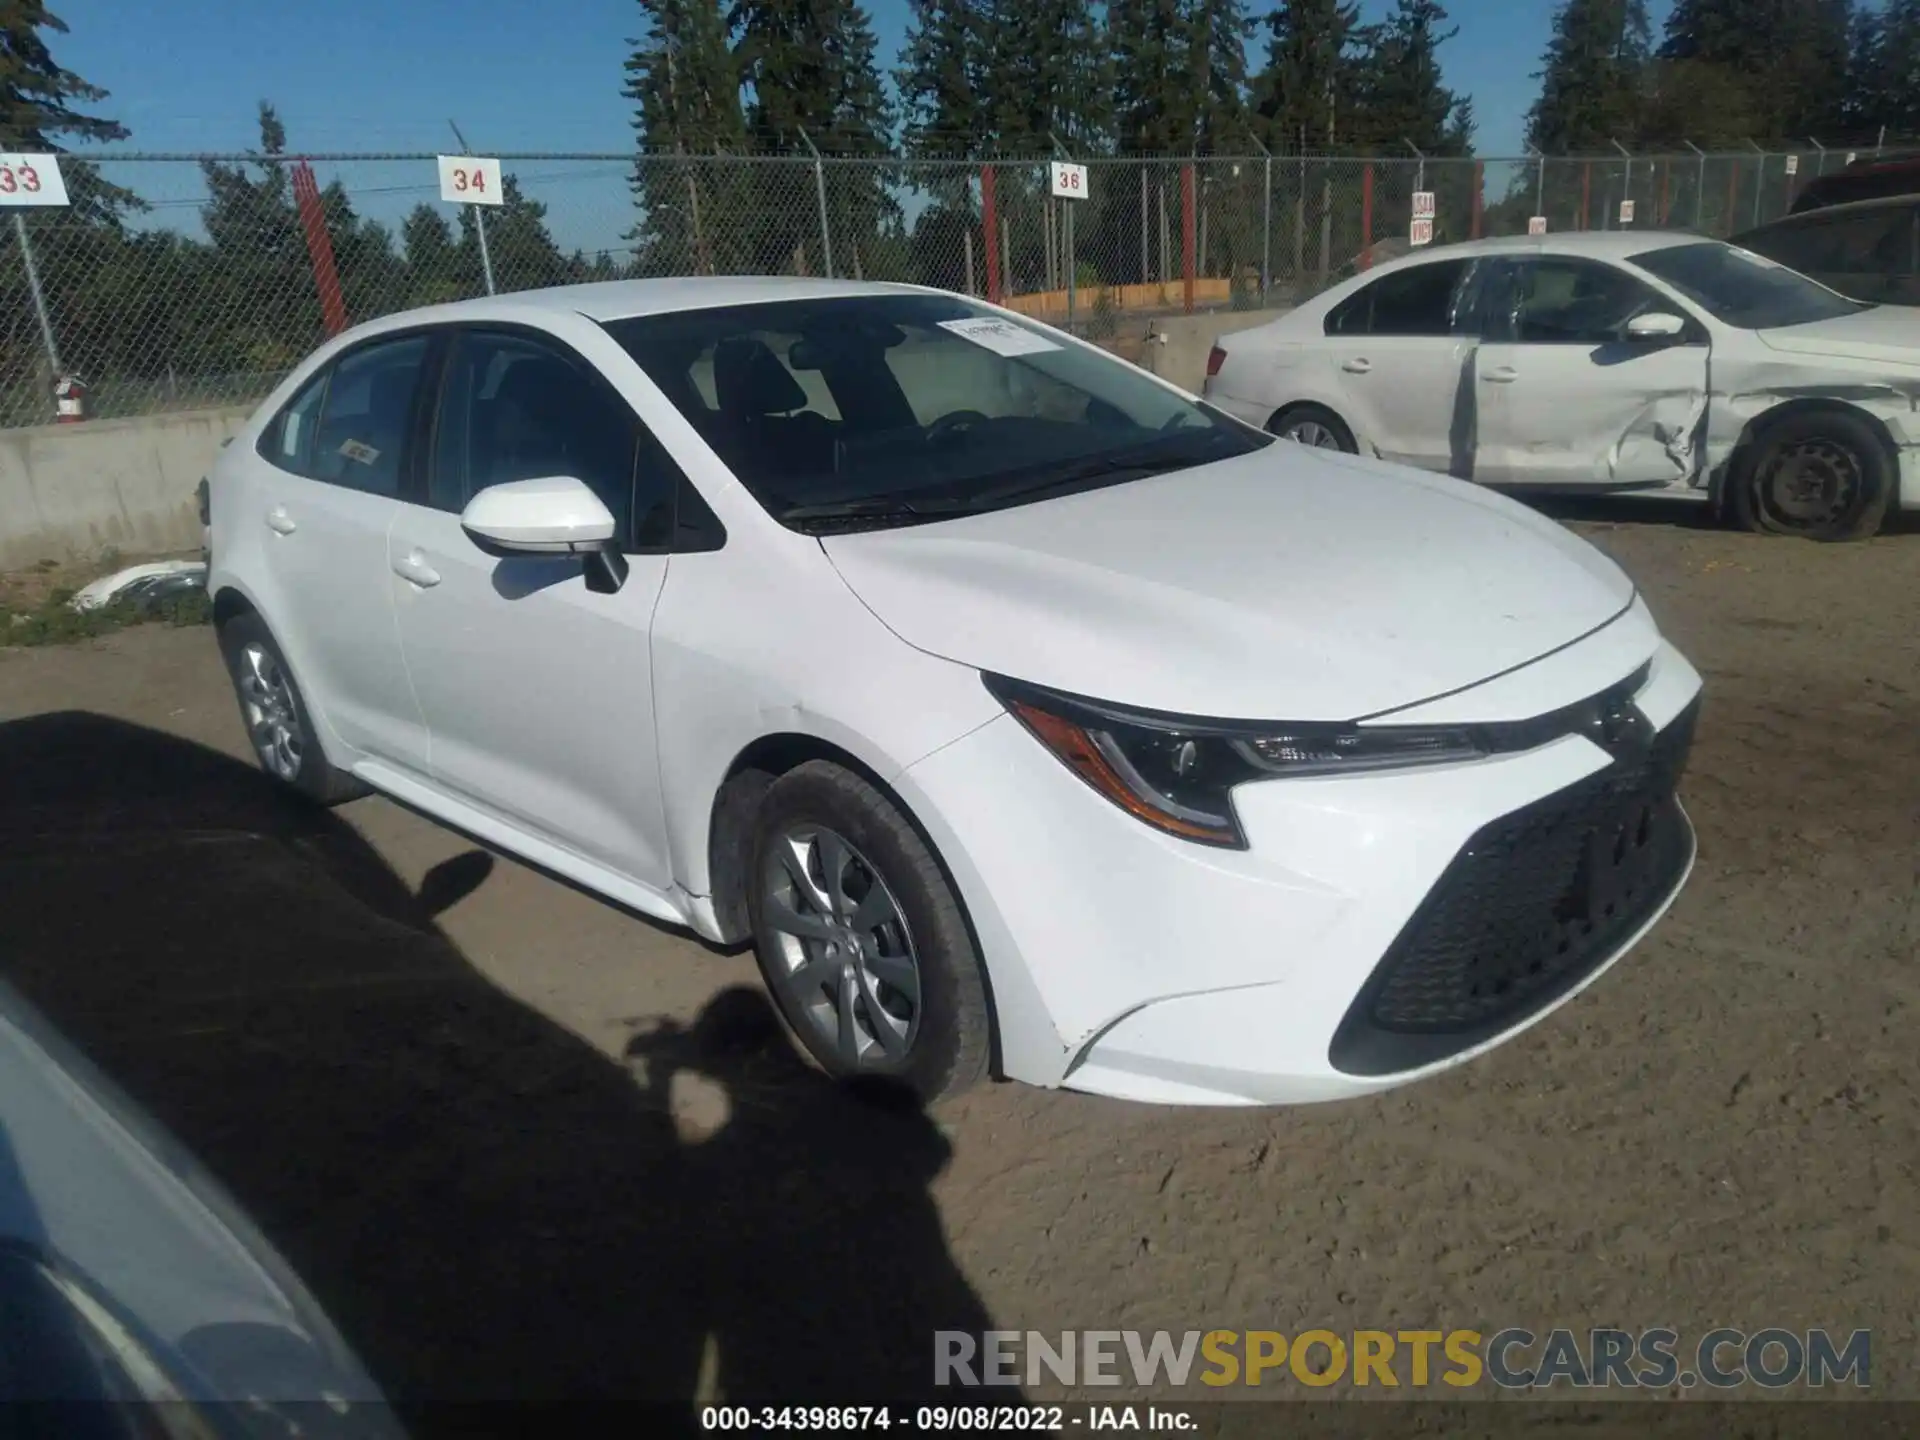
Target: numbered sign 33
<point x="1069" y="181"/>
<point x="469" y="179"/>
<point x="31" y="180"/>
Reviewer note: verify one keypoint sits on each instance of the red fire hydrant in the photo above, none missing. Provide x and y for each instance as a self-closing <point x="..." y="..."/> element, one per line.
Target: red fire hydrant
<point x="70" y="399"/>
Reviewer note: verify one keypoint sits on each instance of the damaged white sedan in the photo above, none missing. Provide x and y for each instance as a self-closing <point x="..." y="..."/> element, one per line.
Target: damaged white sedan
<point x="1616" y="361"/>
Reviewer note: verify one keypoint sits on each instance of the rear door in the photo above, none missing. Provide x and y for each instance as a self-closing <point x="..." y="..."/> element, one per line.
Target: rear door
<point x="1400" y="358"/>
<point x="1565" y="399"/>
<point x="537" y="691"/>
<point x="323" y="494"/>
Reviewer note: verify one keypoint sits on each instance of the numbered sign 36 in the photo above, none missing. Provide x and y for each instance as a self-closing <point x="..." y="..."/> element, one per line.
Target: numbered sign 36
<point x="1423" y="208"/>
<point x="1626" y="212"/>
<point x="1069" y="181"/>
<point x="1537" y="225"/>
<point x="31" y="180"/>
<point x="469" y="179"/>
<point x="1421" y="232"/>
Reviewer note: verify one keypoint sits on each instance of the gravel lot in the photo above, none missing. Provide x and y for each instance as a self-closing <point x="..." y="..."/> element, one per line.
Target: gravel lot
<point x="451" y="1090"/>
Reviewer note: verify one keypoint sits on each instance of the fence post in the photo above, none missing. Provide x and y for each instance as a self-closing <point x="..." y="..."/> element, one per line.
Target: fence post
<point x="480" y="217"/>
<point x="1366" y="217"/>
<point x="1479" y="191"/>
<point x="326" y="279"/>
<point x="989" y="224"/>
<point x="1266" y="221"/>
<point x="1188" y="221"/>
<point x="1586" y="192"/>
<point x="1733" y="190"/>
<point x="1700" y="190"/>
<point x="39" y="299"/>
<point x="1759" y="180"/>
<point x="820" y="190"/>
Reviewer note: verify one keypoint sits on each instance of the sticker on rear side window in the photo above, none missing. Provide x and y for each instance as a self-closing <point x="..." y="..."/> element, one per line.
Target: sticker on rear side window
<point x="1000" y="336"/>
<point x="355" y="450"/>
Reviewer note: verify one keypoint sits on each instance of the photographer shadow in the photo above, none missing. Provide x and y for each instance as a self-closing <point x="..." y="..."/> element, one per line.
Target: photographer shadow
<point x="491" y="1211"/>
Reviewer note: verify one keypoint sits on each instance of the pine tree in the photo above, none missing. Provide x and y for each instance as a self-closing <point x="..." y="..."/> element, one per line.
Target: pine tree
<point x="1790" y="56"/>
<point x="1216" y="43"/>
<point x="522" y="252"/>
<point x="260" y="280"/>
<point x="1049" y="76"/>
<point x="942" y="81"/>
<point x="37" y="108"/>
<point x="438" y="268"/>
<point x="1894" y="85"/>
<point x="1591" y="77"/>
<point x="1311" y="77"/>
<point x="1153" y="111"/>
<point x="1402" y="99"/>
<point x="686" y="93"/>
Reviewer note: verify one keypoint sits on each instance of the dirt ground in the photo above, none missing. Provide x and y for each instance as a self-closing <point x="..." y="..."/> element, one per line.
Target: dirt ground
<point x="448" y="1087"/>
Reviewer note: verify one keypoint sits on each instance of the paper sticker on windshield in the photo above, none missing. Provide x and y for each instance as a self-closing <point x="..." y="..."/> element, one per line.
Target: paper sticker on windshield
<point x="1000" y="336"/>
<point x="354" y="450"/>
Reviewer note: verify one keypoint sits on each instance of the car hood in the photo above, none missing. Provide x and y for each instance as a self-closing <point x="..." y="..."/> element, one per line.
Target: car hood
<point x="1285" y="584"/>
<point x="1886" y="332"/>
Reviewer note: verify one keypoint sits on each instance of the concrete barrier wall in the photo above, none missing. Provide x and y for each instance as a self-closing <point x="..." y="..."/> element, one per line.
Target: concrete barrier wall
<point x="69" y="491"/>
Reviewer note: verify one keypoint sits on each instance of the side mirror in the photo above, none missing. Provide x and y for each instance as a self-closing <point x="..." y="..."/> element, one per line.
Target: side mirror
<point x="1655" y="325"/>
<point x="552" y="515"/>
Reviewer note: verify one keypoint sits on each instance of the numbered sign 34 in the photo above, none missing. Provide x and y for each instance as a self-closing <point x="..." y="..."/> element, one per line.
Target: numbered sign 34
<point x="31" y="180"/>
<point x="470" y="179"/>
<point x="1069" y="181"/>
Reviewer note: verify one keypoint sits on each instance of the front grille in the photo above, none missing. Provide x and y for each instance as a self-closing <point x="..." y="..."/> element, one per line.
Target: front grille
<point x="1533" y="903"/>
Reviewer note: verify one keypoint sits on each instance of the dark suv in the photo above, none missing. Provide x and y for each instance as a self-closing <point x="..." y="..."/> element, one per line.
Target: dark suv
<point x="1879" y="177"/>
<point x="1869" y="250"/>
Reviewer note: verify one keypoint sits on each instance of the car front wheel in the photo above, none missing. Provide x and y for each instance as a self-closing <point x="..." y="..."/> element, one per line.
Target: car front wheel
<point x="861" y="939"/>
<point x="1820" y="475"/>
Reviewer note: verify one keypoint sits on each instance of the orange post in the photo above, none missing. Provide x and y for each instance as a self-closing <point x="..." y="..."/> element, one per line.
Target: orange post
<point x="313" y="219"/>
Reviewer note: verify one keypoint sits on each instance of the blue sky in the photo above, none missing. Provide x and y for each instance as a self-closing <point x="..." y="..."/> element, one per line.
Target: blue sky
<point x="387" y="75"/>
<point x="380" y="74"/>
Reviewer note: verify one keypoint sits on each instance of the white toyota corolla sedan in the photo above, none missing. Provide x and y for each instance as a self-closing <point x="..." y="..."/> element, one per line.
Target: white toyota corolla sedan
<point x="1618" y="361"/>
<point x="1027" y="716"/>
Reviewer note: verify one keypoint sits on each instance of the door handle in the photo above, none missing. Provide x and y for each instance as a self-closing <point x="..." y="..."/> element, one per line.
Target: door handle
<point x="413" y="568"/>
<point x="1501" y="375"/>
<point x="1357" y="367"/>
<point x="280" y="522"/>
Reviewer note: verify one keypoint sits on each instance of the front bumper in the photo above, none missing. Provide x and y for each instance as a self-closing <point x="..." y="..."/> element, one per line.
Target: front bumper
<point x="1128" y="963"/>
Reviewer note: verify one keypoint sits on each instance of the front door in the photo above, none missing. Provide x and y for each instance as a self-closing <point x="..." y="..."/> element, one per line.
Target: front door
<point x="537" y="691"/>
<point x="1565" y="398"/>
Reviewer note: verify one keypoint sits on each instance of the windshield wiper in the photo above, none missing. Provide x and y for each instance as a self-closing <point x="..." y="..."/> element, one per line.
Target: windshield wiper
<point x="880" y="507"/>
<point x="1138" y="463"/>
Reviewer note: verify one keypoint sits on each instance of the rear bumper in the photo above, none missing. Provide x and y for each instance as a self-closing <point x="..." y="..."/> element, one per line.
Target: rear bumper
<point x="1127" y="963"/>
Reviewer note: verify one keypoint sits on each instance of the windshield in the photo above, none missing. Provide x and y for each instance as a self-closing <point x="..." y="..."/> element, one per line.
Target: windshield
<point x="886" y="409"/>
<point x="1740" y="288"/>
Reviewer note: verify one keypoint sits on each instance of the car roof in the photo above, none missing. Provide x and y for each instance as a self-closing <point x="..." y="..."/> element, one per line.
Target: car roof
<point x="1597" y="244"/>
<point x="624" y="299"/>
<point x="1824" y="213"/>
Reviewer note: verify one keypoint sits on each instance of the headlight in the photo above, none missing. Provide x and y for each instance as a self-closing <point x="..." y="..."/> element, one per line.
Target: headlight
<point x="1177" y="774"/>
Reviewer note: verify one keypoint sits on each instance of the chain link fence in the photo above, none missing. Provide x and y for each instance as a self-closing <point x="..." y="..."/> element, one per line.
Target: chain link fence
<point x="238" y="267"/>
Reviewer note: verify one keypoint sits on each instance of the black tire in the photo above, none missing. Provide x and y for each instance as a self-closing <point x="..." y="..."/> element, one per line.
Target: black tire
<point x="945" y="1043"/>
<point x="1288" y="421"/>
<point x="245" y="642"/>
<point x="1816" y="474"/>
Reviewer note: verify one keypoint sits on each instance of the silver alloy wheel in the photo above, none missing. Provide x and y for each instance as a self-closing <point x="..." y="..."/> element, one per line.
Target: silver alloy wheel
<point x="1312" y="433"/>
<point x="846" y="958"/>
<point x="266" y="700"/>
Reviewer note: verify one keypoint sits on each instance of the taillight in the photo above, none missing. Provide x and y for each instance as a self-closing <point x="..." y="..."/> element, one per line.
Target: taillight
<point x="1216" y="357"/>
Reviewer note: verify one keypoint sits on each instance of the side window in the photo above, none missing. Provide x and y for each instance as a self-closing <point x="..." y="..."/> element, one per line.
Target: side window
<point x="1564" y="301"/>
<point x="1416" y="301"/>
<point x="516" y="408"/>
<point x="287" y="440"/>
<point x="362" y="428"/>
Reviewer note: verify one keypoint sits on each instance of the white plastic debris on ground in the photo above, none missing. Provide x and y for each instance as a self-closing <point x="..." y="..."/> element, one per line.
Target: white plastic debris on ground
<point x="144" y="584"/>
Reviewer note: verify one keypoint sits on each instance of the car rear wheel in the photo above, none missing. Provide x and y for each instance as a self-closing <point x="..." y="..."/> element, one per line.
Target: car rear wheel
<point x="861" y="939"/>
<point x="1314" y="426"/>
<point x="279" y="725"/>
<point x="1820" y="475"/>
